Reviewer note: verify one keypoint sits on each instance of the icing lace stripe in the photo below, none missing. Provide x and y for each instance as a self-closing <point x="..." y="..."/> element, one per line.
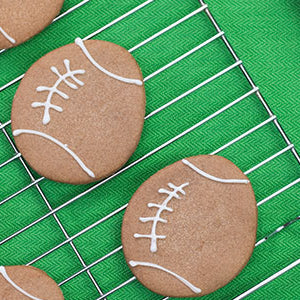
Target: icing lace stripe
<point x="7" y="36"/>
<point x="211" y="177"/>
<point x="80" y="43"/>
<point x="60" y="144"/>
<point x="7" y="278"/>
<point x="161" y="207"/>
<point x="195" y="289"/>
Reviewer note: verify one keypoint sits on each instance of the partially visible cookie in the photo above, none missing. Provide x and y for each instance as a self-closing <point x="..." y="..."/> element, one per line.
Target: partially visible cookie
<point x="190" y="228"/>
<point x="78" y="113"/>
<point x="22" y="19"/>
<point x="22" y="282"/>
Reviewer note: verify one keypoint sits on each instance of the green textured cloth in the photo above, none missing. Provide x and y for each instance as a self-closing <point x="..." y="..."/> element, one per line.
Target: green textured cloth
<point x="266" y="36"/>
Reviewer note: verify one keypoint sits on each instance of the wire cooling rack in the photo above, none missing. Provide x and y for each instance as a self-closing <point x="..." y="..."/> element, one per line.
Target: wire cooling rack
<point x="78" y="243"/>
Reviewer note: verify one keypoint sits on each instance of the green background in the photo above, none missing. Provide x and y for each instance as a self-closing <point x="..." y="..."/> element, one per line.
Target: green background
<point x="266" y="36"/>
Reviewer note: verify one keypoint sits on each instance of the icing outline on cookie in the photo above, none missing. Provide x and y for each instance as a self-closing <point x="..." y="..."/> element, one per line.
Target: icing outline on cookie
<point x="7" y="278"/>
<point x="57" y="142"/>
<point x="54" y="89"/>
<point x="80" y="43"/>
<point x="195" y="289"/>
<point x="164" y="206"/>
<point x="211" y="177"/>
<point x="7" y="36"/>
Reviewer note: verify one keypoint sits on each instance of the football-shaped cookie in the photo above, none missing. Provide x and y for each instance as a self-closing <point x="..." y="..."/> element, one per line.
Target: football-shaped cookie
<point x="190" y="228"/>
<point x="23" y="283"/>
<point x="79" y="111"/>
<point x="22" y="19"/>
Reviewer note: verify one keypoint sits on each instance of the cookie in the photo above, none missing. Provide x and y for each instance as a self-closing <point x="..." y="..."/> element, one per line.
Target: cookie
<point x="190" y="228"/>
<point x="22" y="19"/>
<point x="22" y="282"/>
<point x="78" y="113"/>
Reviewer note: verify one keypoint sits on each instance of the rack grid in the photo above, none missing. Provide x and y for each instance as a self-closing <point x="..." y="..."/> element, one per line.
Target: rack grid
<point x="276" y="132"/>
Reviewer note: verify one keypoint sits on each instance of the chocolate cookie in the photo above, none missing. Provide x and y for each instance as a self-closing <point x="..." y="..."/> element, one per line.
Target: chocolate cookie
<point x="21" y="282"/>
<point x="79" y="111"/>
<point x="190" y="228"/>
<point x="22" y="19"/>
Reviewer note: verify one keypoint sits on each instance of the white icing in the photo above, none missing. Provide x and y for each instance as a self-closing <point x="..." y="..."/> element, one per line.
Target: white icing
<point x="195" y="289"/>
<point x="54" y="90"/>
<point x="159" y="206"/>
<point x="57" y="142"/>
<point x="164" y="206"/>
<point x="211" y="177"/>
<point x="80" y="43"/>
<point x="7" y="278"/>
<point x="7" y="36"/>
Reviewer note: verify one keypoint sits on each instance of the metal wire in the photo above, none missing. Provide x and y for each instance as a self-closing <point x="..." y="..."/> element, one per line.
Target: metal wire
<point x="251" y="82"/>
<point x="254" y="91"/>
<point x="271" y="278"/>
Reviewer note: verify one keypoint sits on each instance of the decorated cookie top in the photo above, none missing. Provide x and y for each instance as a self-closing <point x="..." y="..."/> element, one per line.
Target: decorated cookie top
<point x="21" y="282"/>
<point x="22" y="19"/>
<point x="190" y="228"/>
<point x="79" y="111"/>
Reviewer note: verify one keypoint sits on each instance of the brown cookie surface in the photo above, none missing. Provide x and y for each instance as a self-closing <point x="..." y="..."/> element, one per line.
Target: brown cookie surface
<point x="191" y="227"/>
<point x="79" y="111"/>
<point x="22" y="19"/>
<point x="23" y="282"/>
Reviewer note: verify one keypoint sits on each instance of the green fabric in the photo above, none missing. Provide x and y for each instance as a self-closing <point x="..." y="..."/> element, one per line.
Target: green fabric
<point x="266" y="36"/>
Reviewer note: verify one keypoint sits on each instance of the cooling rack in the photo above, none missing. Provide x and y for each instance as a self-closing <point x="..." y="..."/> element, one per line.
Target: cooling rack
<point x="200" y="99"/>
